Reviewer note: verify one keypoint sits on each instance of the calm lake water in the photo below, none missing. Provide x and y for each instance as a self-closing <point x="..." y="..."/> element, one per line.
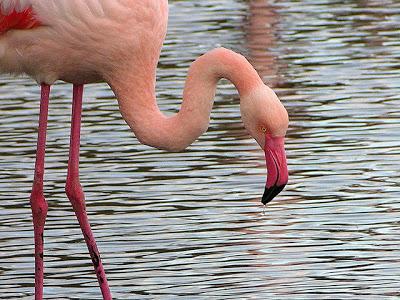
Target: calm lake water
<point x="190" y="225"/>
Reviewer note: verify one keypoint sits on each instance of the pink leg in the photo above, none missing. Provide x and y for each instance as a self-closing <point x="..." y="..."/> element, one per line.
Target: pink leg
<point x="38" y="203"/>
<point x="75" y="193"/>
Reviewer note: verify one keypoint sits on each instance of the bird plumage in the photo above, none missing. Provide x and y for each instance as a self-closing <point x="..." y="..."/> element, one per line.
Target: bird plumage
<point x="8" y="6"/>
<point x="95" y="37"/>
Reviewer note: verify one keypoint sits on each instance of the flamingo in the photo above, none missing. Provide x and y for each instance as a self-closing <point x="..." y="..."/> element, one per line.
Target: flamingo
<point x="119" y="42"/>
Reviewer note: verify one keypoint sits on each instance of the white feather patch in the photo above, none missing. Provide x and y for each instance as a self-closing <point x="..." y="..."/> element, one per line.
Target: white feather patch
<point x="8" y="6"/>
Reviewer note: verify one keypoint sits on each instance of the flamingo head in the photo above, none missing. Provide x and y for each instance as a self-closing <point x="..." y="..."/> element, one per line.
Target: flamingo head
<point x="266" y="119"/>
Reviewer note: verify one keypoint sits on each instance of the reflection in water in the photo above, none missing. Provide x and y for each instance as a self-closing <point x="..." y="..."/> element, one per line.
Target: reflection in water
<point x="190" y="225"/>
<point x="260" y="39"/>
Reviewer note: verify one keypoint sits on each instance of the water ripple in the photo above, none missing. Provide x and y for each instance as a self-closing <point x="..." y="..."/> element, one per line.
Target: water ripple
<point x="190" y="225"/>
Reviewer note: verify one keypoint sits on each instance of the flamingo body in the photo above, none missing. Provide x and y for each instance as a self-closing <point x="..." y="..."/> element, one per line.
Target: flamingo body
<point x="119" y="42"/>
<point x="96" y="38"/>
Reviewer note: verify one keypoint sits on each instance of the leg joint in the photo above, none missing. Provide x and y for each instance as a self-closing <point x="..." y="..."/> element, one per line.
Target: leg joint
<point x="39" y="205"/>
<point x="75" y="194"/>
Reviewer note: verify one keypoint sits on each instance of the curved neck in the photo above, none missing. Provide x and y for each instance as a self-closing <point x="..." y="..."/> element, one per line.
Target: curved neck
<point x="136" y="97"/>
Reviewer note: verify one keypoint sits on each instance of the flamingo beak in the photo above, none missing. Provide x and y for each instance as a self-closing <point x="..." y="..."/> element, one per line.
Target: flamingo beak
<point x="277" y="171"/>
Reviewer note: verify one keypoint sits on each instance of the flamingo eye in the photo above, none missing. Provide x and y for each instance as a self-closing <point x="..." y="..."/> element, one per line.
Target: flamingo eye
<point x="263" y="129"/>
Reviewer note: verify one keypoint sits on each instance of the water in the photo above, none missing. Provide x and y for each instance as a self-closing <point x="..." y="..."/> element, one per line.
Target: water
<point x="189" y="225"/>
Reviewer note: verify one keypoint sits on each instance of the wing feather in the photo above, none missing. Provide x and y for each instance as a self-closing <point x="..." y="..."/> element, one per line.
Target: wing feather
<point x="8" y="6"/>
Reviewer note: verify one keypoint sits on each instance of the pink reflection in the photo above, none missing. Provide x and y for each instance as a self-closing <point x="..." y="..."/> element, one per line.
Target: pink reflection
<point x="261" y="38"/>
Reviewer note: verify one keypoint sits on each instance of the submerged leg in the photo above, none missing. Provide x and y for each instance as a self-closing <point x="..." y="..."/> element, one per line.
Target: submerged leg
<point x="75" y="193"/>
<point x="38" y="203"/>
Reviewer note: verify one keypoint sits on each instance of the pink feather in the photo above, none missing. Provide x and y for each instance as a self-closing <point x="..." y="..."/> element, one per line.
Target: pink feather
<point x="18" y="20"/>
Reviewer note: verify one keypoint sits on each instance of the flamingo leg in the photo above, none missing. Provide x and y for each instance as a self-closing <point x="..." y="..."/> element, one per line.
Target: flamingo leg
<point x="75" y="193"/>
<point x="38" y="203"/>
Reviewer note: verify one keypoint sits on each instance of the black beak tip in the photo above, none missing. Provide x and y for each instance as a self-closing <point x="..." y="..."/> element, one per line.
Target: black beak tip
<point x="271" y="192"/>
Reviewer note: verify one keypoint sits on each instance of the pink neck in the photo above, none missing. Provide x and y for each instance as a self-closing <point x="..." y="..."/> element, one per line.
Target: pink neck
<point x="138" y="105"/>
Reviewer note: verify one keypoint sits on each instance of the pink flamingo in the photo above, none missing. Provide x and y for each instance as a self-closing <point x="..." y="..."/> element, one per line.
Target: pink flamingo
<point x="119" y="42"/>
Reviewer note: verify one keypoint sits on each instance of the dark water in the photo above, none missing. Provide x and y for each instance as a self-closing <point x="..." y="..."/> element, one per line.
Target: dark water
<point x="190" y="225"/>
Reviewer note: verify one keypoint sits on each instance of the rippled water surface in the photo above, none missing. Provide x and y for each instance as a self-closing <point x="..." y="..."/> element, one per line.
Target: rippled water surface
<point x="189" y="225"/>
